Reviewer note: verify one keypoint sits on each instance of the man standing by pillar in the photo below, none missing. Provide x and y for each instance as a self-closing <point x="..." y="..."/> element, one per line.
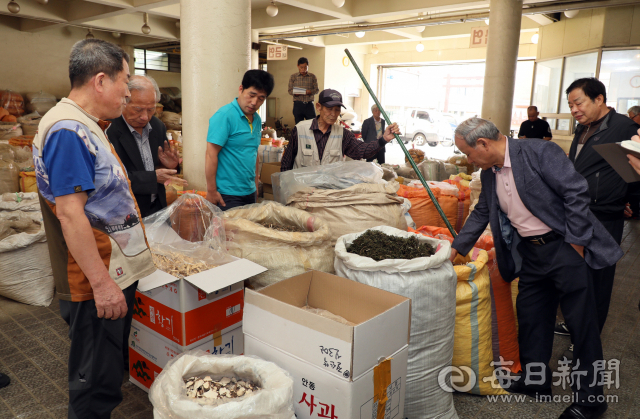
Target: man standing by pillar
<point x="96" y="242"/>
<point x="598" y="124"/>
<point x="303" y="103"/>
<point x="545" y="234"/>
<point x="322" y="141"/>
<point x="231" y="161"/>
<point x="372" y="130"/>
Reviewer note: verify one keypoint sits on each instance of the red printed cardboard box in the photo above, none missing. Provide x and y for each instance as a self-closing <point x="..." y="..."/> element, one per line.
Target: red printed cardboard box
<point x="148" y="353"/>
<point x="337" y="368"/>
<point x="188" y="312"/>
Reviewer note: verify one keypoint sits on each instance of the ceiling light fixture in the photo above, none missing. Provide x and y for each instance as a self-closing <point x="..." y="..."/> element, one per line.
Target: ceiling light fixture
<point x="420" y="47"/>
<point x="535" y="38"/>
<point x="486" y="21"/>
<point x="571" y="13"/>
<point x="146" y="29"/>
<point x="374" y="50"/>
<point x="420" y="28"/>
<point x="338" y="3"/>
<point x="116" y="34"/>
<point x="272" y="9"/>
<point x="89" y="35"/>
<point x="360" y="34"/>
<point x="13" y="7"/>
<point x="43" y="1"/>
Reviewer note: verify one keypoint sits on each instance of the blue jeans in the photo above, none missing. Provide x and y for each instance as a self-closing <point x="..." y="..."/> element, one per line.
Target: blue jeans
<point x="234" y="201"/>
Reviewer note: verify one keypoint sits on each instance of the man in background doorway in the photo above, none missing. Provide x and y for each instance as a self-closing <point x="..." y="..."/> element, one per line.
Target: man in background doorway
<point x="372" y="130"/>
<point x="535" y="127"/>
<point x="303" y="108"/>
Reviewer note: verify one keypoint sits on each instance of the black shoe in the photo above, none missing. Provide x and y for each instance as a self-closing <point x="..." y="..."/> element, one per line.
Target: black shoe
<point x="521" y="388"/>
<point x="577" y="411"/>
<point x="4" y="380"/>
<point x="561" y="329"/>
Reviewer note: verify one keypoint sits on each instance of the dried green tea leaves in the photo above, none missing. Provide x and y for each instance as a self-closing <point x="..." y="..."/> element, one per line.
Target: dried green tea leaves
<point x="380" y="246"/>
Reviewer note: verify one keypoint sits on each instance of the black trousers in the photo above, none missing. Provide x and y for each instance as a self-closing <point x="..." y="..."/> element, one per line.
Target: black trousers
<point x="603" y="278"/>
<point x="234" y="201"/>
<point x="302" y="111"/>
<point x="96" y="358"/>
<point x="555" y="273"/>
<point x="379" y="156"/>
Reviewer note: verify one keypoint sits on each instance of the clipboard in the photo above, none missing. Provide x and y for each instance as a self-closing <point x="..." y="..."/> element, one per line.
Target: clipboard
<point x="616" y="156"/>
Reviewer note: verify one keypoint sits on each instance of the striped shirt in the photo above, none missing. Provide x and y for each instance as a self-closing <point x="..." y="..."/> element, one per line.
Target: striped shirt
<point x="351" y="146"/>
<point x="307" y="82"/>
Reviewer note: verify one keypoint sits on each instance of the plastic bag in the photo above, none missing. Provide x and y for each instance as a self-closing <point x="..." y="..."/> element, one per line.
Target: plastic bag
<point x="19" y="201"/>
<point x="284" y="254"/>
<point x="340" y="175"/>
<point x="430" y="282"/>
<point x="12" y="102"/>
<point x="40" y="102"/>
<point x="172" y="120"/>
<point x="9" y="177"/>
<point x="30" y="123"/>
<point x="190" y="230"/>
<point x="274" y="400"/>
<point x="9" y="130"/>
<point x="25" y="267"/>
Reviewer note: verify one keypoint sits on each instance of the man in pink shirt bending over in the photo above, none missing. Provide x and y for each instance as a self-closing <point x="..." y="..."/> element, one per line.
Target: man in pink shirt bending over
<point x="545" y="234"/>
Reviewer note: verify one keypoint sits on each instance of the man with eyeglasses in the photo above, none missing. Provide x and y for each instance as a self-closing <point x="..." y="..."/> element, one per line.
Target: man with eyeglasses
<point x="140" y="140"/>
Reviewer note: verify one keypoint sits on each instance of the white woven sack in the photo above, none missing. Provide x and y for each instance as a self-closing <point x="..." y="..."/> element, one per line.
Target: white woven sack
<point x="25" y="267"/>
<point x="274" y="401"/>
<point x="431" y="285"/>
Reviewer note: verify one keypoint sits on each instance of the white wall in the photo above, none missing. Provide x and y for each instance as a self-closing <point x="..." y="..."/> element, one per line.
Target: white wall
<point x="342" y="77"/>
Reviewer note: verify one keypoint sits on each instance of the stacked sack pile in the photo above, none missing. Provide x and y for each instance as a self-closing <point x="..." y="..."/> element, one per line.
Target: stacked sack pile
<point x="486" y="328"/>
<point x="25" y="267"/>
<point x="350" y="196"/>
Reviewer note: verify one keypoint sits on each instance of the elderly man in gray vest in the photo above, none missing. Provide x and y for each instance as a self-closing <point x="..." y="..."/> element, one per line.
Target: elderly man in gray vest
<point x="322" y="140"/>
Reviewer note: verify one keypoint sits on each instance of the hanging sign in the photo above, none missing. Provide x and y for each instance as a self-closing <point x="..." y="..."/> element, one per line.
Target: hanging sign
<point x="479" y="37"/>
<point x="277" y="52"/>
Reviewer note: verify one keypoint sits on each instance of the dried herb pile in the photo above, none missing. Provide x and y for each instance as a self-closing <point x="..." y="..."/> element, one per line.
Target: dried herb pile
<point x="380" y="246"/>
<point x="280" y="227"/>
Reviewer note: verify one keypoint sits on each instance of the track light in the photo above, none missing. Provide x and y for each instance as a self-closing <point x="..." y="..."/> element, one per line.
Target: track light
<point x="146" y="29"/>
<point x="272" y="9"/>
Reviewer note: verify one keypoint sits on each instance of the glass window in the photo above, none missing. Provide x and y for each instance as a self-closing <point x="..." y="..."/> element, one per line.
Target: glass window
<point x="620" y="73"/>
<point x="150" y="60"/>
<point x="521" y="93"/>
<point x="423" y="115"/>
<point x="547" y="86"/>
<point x="576" y="67"/>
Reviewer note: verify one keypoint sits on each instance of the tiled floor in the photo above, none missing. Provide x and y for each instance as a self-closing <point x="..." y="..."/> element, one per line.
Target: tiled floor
<point x="34" y="349"/>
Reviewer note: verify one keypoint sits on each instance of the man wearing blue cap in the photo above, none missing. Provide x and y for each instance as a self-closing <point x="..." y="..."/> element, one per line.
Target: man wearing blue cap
<point x="322" y="140"/>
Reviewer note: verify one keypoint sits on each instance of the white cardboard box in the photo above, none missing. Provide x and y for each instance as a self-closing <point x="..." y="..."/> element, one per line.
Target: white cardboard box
<point x="341" y="357"/>
<point x="149" y="352"/>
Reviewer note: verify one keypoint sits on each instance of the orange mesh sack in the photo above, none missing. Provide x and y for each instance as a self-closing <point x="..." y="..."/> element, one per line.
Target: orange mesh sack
<point x="424" y="212"/>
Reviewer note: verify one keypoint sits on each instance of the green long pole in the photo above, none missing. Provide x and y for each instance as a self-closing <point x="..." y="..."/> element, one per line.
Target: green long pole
<point x="404" y="149"/>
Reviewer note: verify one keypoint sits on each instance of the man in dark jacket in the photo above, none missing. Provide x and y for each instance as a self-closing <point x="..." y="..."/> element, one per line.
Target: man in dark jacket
<point x="140" y="140"/>
<point x="545" y="234"/>
<point x="598" y="124"/>
<point x="372" y="130"/>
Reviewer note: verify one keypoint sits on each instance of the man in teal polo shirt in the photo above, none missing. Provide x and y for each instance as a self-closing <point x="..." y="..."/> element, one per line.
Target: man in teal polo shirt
<point x="231" y="163"/>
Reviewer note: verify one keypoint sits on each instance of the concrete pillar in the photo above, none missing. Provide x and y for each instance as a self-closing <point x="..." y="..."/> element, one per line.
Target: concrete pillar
<point x="255" y="54"/>
<point x="505" y="17"/>
<point x="216" y="52"/>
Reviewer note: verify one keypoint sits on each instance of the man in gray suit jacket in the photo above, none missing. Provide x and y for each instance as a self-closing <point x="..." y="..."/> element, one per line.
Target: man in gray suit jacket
<point x="372" y="130"/>
<point x="544" y="232"/>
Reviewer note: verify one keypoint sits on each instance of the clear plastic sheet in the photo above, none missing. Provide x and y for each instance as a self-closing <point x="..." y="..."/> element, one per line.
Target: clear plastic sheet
<point x="12" y="102"/>
<point x="274" y="400"/>
<point x="283" y="253"/>
<point x="40" y="102"/>
<point x="189" y="230"/>
<point x="340" y="175"/>
<point x="9" y="130"/>
<point x="30" y="123"/>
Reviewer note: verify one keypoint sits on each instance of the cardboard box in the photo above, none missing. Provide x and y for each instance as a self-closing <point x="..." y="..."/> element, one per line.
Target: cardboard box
<point x="312" y="347"/>
<point x="149" y="353"/>
<point x="267" y="197"/>
<point x="267" y="170"/>
<point x="189" y="311"/>
<point x="267" y="189"/>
